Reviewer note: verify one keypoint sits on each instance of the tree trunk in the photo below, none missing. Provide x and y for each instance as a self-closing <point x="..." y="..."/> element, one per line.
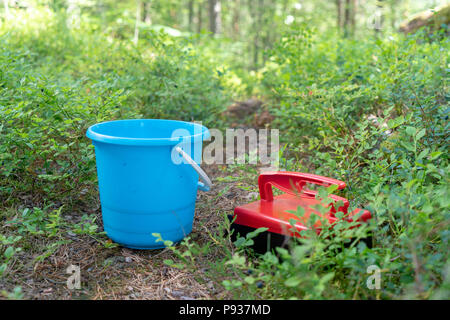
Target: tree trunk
<point x="190" y="15"/>
<point x="200" y="16"/>
<point x="339" y="14"/>
<point x="236" y="18"/>
<point x="393" y="13"/>
<point x="353" y="15"/>
<point x="256" y="30"/>
<point x="138" y="19"/>
<point x="379" y="17"/>
<point x="349" y="17"/>
<point x="347" y="11"/>
<point x="267" y="8"/>
<point x="215" y="18"/>
<point x="145" y="12"/>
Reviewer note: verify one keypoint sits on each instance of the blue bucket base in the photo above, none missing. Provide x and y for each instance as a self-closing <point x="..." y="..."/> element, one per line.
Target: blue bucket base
<point x="135" y="230"/>
<point x="156" y="245"/>
<point x="137" y="247"/>
<point x="142" y="248"/>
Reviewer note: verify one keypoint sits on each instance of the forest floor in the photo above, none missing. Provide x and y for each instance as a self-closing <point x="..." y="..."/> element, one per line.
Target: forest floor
<point x="114" y="272"/>
<point x="121" y="273"/>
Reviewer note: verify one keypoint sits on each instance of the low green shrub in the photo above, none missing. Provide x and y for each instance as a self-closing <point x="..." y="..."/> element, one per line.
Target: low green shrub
<point x="55" y="82"/>
<point x="375" y="115"/>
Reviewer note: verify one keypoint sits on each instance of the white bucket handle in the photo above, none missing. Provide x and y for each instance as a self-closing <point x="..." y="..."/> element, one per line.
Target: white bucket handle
<point x="206" y="183"/>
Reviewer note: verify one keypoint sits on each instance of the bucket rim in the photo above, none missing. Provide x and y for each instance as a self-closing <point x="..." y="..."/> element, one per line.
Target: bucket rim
<point x="98" y="137"/>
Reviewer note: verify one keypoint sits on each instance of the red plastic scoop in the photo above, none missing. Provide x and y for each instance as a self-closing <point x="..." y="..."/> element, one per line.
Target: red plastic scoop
<point x="271" y="211"/>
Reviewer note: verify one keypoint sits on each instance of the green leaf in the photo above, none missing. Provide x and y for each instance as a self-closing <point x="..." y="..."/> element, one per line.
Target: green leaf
<point x="394" y="123"/>
<point x="332" y="188"/>
<point x="254" y="233"/>
<point x="327" y="277"/>
<point x="249" y="280"/>
<point x="168" y="262"/>
<point x="236" y="260"/>
<point x="236" y="283"/>
<point x="299" y="212"/>
<point x="435" y="155"/>
<point x="3" y="267"/>
<point x="9" y="252"/>
<point x="292" y="282"/>
<point x="239" y="242"/>
<point x="408" y="146"/>
<point x="391" y="123"/>
<point x="411" y="131"/>
<point x="423" y="153"/>
<point x="322" y="192"/>
<point x="421" y="134"/>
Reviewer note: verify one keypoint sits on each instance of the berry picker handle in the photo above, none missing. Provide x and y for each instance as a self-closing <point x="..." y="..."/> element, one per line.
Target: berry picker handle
<point x="293" y="183"/>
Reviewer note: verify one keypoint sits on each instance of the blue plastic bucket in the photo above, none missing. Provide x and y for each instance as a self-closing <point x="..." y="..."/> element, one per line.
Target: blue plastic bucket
<point x="145" y="185"/>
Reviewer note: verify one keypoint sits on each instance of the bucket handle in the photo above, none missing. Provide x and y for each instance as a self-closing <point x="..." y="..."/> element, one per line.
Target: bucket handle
<point x="206" y="183"/>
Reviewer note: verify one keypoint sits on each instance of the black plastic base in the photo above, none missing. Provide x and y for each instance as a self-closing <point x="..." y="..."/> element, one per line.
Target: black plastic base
<point x="263" y="242"/>
<point x="266" y="241"/>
